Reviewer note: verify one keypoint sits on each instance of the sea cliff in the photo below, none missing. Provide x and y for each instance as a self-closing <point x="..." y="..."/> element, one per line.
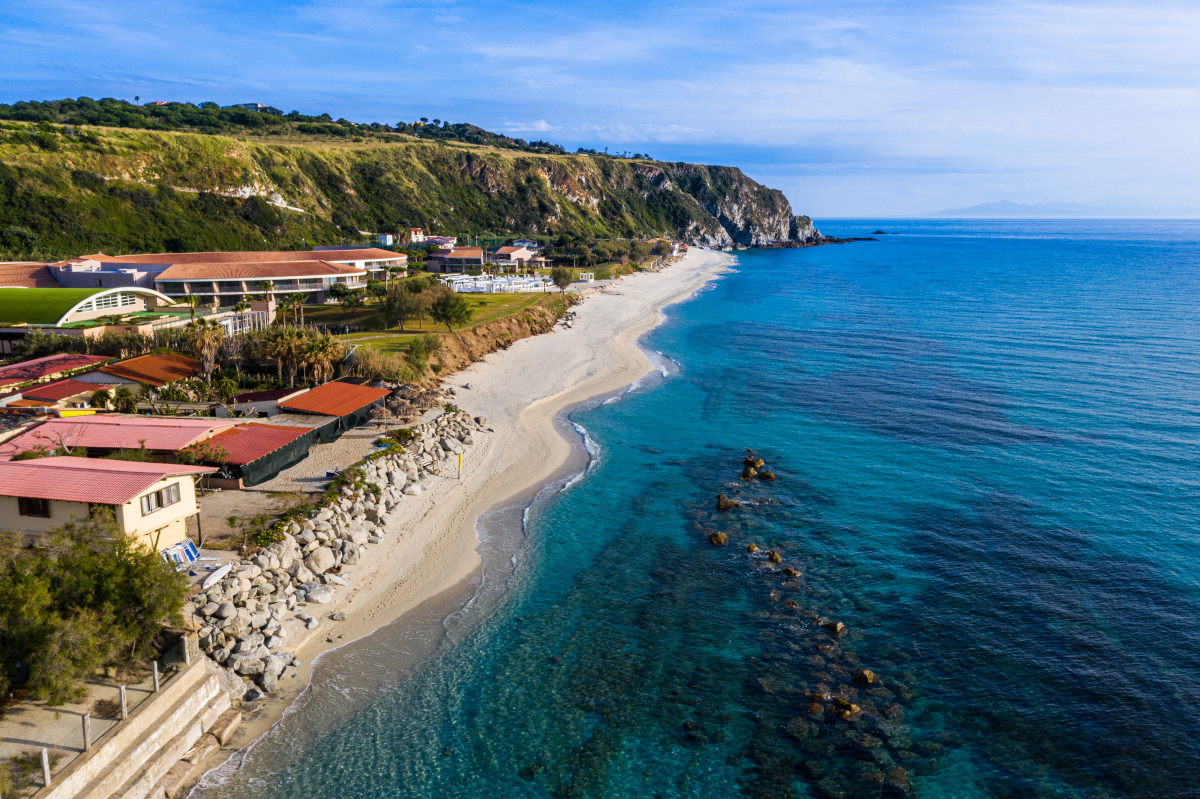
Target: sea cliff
<point x="66" y="190"/>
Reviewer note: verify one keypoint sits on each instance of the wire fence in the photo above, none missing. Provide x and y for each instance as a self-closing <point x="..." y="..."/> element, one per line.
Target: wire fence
<point x="44" y="758"/>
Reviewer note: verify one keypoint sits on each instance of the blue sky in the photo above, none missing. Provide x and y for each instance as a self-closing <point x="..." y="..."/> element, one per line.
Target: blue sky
<point x="852" y="108"/>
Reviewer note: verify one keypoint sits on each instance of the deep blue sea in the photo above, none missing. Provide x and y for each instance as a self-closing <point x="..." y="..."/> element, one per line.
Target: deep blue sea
<point x="985" y="438"/>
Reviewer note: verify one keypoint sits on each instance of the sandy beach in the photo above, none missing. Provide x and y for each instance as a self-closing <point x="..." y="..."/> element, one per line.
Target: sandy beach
<point x="431" y="547"/>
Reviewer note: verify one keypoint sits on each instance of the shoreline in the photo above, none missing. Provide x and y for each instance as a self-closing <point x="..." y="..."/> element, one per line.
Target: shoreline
<point x="522" y="391"/>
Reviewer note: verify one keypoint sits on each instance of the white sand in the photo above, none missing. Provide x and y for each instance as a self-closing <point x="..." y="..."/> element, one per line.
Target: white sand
<point x="432" y="545"/>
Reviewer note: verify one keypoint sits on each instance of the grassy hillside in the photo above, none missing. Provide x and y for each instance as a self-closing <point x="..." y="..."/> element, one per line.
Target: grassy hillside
<point x="66" y="190"/>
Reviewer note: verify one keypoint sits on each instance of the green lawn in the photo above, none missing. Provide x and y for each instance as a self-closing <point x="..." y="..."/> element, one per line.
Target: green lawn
<point x="39" y="306"/>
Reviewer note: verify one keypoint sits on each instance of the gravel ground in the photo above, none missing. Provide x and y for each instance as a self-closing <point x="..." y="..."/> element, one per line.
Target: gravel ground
<point x="309" y="474"/>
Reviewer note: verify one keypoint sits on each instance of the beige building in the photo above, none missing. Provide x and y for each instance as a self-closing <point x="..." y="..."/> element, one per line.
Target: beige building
<point x="153" y="502"/>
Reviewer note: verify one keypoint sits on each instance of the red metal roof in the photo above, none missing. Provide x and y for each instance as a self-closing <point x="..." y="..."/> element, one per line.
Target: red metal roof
<point x="113" y="433"/>
<point x="61" y="390"/>
<point x="39" y="368"/>
<point x="86" y="479"/>
<point x="157" y="369"/>
<point x="335" y="399"/>
<point x="248" y="442"/>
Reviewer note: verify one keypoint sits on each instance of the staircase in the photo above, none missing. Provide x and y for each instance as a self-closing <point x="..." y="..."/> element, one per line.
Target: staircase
<point x="161" y="746"/>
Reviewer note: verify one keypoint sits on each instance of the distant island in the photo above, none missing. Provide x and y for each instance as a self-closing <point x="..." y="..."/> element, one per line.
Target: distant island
<point x="1006" y="209"/>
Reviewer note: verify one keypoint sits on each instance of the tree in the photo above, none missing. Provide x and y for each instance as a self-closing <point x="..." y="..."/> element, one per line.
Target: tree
<point x="125" y="400"/>
<point x="297" y="302"/>
<point x="338" y="290"/>
<point x="206" y="341"/>
<point x="353" y="299"/>
<point x="90" y="596"/>
<point x="376" y="289"/>
<point x="101" y="398"/>
<point x="191" y="301"/>
<point x="449" y="309"/>
<point x="227" y="387"/>
<point x="562" y="277"/>
<point x="400" y="304"/>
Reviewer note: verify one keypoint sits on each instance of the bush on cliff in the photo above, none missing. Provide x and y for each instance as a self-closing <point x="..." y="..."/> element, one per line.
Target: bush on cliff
<point x="83" y="597"/>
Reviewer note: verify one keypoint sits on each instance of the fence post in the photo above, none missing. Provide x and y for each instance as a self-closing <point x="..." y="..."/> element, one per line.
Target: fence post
<point x="45" y="767"/>
<point x="187" y="650"/>
<point x="87" y="731"/>
<point x="156" y="676"/>
<point x="124" y="705"/>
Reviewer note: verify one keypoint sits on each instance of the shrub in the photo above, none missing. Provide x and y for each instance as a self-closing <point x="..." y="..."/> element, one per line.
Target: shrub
<point x="87" y="596"/>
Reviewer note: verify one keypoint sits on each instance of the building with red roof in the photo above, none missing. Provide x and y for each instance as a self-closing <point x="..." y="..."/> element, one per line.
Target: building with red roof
<point x="255" y="453"/>
<point x="163" y="436"/>
<point x="336" y="399"/>
<point x="50" y="367"/>
<point x="157" y="369"/>
<point x="153" y="502"/>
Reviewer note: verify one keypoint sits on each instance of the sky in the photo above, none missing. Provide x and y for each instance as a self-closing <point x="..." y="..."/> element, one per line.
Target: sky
<point x="852" y="108"/>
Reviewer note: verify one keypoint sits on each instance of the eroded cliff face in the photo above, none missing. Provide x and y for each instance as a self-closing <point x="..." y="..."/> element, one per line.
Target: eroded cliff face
<point x="201" y="191"/>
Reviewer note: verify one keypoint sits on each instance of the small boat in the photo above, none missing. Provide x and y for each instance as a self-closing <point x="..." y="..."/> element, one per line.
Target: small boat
<point x="219" y="574"/>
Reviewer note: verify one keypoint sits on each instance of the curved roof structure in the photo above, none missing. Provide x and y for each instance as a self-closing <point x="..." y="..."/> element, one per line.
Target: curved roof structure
<point x="53" y="307"/>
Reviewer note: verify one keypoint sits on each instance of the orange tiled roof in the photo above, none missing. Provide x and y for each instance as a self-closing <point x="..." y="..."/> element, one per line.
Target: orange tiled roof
<point x="157" y="369"/>
<point x="253" y="270"/>
<point x="27" y="274"/>
<point x="334" y="399"/>
<point x="370" y="254"/>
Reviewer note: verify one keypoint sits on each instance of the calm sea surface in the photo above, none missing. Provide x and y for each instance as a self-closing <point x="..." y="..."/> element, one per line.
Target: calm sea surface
<point x="985" y="438"/>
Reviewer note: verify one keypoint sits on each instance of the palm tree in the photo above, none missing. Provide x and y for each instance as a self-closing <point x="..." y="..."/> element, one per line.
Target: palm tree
<point x="291" y="348"/>
<point x="297" y="301"/>
<point x="125" y="400"/>
<point x="146" y="394"/>
<point x="101" y="398"/>
<point x="266" y="286"/>
<point x="206" y="340"/>
<point x="322" y="352"/>
<point x="191" y="301"/>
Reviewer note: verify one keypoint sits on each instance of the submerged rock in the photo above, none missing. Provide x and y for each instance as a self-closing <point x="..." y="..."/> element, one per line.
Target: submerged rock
<point x="719" y="539"/>
<point x="725" y="503"/>
<point x="835" y="627"/>
<point x="865" y="676"/>
<point x="775" y="557"/>
<point x="748" y="473"/>
<point x="765" y="475"/>
<point x="790" y="572"/>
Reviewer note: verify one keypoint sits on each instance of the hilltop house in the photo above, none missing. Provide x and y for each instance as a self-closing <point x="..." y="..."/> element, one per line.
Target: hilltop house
<point x="153" y="502"/>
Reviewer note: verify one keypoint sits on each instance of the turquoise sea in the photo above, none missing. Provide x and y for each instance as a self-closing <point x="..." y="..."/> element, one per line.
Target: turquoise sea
<point x="985" y="441"/>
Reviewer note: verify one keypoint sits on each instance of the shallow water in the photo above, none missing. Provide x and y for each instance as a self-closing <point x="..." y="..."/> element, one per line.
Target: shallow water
<point x="985" y="442"/>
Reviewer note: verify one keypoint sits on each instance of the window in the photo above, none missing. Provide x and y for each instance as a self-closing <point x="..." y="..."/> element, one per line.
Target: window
<point x="128" y="298"/>
<point x="107" y="301"/>
<point x="34" y="506"/>
<point x="99" y="282"/>
<point x="160" y="499"/>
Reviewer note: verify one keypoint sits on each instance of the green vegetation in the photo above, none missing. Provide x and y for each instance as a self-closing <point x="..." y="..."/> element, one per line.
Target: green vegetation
<point x="39" y="306"/>
<point x="450" y="309"/>
<point x="211" y="118"/>
<point x="88" y="597"/>
<point x="67" y="190"/>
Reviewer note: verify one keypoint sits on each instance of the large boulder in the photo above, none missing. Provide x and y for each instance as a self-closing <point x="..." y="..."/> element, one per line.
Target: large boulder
<point x="321" y="560"/>
<point x="350" y="553"/>
<point x="225" y="610"/>
<point x="249" y="643"/>
<point x="322" y="595"/>
<point x="246" y="663"/>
